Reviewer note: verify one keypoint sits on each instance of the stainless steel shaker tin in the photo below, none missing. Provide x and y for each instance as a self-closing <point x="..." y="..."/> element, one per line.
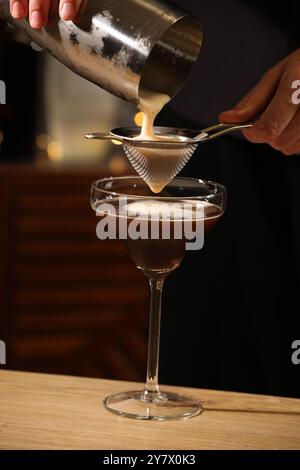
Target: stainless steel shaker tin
<point x="127" y="47"/>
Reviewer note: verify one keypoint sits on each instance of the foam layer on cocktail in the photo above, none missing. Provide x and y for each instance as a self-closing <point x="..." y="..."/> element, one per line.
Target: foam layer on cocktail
<point x="171" y="210"/>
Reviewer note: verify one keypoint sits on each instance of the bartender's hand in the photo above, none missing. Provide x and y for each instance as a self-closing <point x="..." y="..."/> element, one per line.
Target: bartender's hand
<point x="274" y="101"/>
<point x="38" y="10"/>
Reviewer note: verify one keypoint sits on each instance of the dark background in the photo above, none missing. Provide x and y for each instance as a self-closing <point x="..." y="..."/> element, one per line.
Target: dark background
<point x="70" y="304"/>
<point x="232" y="322"/>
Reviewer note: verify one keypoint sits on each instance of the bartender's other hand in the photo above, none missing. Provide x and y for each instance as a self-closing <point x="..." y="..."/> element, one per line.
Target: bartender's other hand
<point x="272" y="100"/>
<point x="38" y="10"/>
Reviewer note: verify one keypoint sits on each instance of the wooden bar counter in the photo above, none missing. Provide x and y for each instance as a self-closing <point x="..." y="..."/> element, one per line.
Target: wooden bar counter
<point x="58" y="412"/>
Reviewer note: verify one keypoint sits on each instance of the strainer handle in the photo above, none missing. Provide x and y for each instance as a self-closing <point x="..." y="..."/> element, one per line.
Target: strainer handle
<point x="102" y="136"/>
<point x="224" y="129"/>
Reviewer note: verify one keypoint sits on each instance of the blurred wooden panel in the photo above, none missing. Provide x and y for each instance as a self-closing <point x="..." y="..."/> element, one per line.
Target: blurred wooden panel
<point x="73" y="248"/>
<point x="48" y="273"/>
<point x="69" y="302"/>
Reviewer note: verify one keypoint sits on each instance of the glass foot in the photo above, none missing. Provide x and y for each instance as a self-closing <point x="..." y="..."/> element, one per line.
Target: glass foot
<point x="152" y="406"/>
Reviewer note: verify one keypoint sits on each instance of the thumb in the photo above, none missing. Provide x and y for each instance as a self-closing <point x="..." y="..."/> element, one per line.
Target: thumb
<point x="257" y="99"/>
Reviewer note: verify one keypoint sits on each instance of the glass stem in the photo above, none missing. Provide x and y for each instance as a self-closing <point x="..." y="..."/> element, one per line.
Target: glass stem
<point x="156" y="287"/>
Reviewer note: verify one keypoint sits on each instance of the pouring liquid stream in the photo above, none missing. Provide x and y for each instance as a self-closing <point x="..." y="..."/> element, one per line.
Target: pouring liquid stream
<point x="150" y="105"/>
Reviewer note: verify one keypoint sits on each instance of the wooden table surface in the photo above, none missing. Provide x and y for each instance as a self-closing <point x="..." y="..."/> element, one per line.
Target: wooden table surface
<point x="57" y="412"/>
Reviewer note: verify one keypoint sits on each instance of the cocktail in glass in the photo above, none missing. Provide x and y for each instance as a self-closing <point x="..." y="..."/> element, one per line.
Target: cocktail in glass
<point x="157" y="230"/>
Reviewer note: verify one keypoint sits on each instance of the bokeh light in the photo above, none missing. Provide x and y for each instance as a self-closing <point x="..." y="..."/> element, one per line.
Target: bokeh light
<point x="55" y="152"/>
<point x="42" y="141"/>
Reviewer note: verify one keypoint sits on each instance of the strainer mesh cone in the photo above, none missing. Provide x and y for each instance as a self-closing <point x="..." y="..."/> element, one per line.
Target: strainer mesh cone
<point x="158" y="163"/>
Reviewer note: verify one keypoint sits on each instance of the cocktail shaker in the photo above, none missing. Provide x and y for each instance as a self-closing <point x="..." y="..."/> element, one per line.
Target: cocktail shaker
<point x="127" y="47"/>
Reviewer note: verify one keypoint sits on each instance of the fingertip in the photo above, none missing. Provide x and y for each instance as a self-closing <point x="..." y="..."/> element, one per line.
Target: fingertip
<point x="18" y="11"/>
<point x="37" y="20"/>
<point x="247" y="134"/>
<point x="228" y="116"/>
<point x="254" y="135"/>
<point x="67" y="11"/>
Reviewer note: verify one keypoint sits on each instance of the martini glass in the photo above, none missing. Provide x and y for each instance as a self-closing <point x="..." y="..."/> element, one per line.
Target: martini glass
<point x="121" y="201"/>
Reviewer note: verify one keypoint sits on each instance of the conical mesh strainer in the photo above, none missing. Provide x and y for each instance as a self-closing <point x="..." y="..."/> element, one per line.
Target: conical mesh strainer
<point x="160" y="164"/>
<point x="159" y="161"/>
